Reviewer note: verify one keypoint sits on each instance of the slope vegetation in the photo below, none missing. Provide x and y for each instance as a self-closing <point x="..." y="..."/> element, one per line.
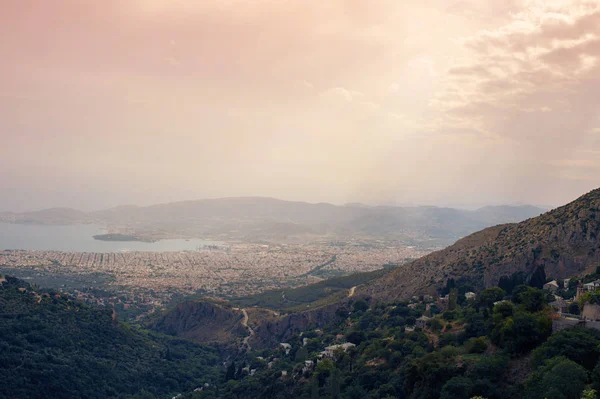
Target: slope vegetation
<point x="301" y="298"/>
<point x="52" y="346"/>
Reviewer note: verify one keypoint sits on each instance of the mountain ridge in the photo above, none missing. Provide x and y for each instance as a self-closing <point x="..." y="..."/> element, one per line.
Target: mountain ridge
<point x="562" y="242"/>
<point x="263" y="218"/>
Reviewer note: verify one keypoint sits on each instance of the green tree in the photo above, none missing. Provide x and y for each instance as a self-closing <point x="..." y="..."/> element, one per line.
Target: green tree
<point x="360" y="306"/>
<point x="230" y="373"/>
<point x="558" y="378"/>
<point x="301" y="355"/>
<point x="521" y="333"/>
<point x="488" y="296"/>
<point x="596" y="377"/>
<point x="435" y="324"/>
<point x="504" y="309"/>
<point x="532" y="300"/>
<point x="517" y="291"/>
<point x="356" y="337"/>
<point x="334" y="382"/>
<point x="538" y="278"/>
<point x="580" y="345"/>
<point x="314" y="387"/>
<point x="589" y="394"/>
<point x="342" y="312"/>
<point x="457" y="388"/>
<point x="476" y="345"/>
<point x="453" y="299"/>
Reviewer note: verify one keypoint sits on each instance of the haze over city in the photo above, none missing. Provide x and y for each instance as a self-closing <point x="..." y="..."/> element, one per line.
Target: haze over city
<point x="462" y="103"/>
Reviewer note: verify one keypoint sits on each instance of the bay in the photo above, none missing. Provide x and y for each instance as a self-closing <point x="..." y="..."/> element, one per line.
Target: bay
<point x="79" y="238"/>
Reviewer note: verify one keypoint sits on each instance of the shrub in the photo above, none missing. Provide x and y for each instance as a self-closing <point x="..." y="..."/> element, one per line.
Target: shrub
<point x="476" y="345"/>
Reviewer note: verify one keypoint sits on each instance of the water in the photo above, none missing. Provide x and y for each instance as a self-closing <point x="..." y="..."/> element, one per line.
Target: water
<point x="79" y="238"/>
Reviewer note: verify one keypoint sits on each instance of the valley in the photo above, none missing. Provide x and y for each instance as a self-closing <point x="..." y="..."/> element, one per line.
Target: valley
<point x="147" y="258"/>
<point x="333" y="318"/>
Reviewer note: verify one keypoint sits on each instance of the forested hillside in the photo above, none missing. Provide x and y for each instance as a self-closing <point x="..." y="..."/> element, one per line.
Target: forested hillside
<point x="483" y="346"/>
<point x="52" y="346"/>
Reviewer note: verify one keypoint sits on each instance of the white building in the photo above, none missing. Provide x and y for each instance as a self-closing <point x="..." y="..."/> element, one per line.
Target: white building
<point x="470" y="295"/>
<point x="330" y="350"/>
<point x="551" y="286"/>
<point x="287" y="347"/>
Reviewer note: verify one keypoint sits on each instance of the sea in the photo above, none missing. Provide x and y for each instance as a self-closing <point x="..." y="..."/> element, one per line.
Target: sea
<point x="79" y="238"/>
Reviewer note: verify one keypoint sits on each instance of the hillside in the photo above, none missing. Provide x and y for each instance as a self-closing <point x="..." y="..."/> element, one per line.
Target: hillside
<point x="52" y="346"/>
<point x="47" y="216"/>
<point x="308" y="296"/>
<point x="562" y="242"/>
<point x="269" y="219"/>
<point x="202" y="321"/>
<point x="417" y="351"/>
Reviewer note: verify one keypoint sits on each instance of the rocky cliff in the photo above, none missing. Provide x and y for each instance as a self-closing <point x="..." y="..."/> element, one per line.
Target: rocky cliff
<point x="272" y="332"/>
<point x="563" y="242"/>
<point x="202" y="321"/>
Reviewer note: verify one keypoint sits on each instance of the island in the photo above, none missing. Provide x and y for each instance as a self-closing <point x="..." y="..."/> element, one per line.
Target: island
<point x="121" y="237"/>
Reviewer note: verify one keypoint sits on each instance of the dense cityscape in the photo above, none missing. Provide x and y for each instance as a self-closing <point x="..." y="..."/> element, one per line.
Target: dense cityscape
<point x="235" y="270"/>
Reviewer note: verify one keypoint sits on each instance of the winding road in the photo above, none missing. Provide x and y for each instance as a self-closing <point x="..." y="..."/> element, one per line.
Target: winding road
<point x="245" y="342"/>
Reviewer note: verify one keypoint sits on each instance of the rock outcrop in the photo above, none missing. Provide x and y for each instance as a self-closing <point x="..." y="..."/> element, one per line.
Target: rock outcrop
<point x="203" y="321"/>
<point x="272" y="332"/>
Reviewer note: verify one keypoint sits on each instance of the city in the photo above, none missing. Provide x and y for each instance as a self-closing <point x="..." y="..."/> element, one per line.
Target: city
<point x="235" y="270"/>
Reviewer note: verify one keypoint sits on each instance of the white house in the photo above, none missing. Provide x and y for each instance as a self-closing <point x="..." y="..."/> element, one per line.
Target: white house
<point x="594" y="285"/>
<point x="330" y="350"/>
<point x="551" y="286"/>
<point x="287" y="347"/>
<point x="470" y="295"/>
<point x="308" y="366"/>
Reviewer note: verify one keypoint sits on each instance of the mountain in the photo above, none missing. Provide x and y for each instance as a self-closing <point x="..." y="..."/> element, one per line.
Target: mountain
<point x="47" y="216"/>
<point x="507" y="214"/>
<point x="560" y="243"/>
<point x="255" y="219"/>
<point x="52" y="346"/>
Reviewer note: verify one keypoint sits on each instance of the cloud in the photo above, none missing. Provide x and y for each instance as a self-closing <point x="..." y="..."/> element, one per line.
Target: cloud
<point x="341" y="94"/>
<point x="405" y="98"/>
<point x="544" y="62"/>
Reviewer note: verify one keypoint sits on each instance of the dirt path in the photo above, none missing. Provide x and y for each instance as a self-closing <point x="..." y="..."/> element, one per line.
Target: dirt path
<point x="351" y="293"/>
<point x="245" y="321"/>
<point x="245" y="342"/>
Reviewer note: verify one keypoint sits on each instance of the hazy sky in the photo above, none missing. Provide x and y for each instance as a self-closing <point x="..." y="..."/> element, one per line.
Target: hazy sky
<point x="379" y="101"/>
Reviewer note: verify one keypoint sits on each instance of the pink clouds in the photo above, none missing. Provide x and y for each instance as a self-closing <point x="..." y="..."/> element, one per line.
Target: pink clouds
<point x="267" y="93"/>
<point x="545" y="53"/>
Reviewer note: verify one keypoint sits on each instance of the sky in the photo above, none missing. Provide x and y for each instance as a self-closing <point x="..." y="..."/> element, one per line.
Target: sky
<point x="436" y="102"/>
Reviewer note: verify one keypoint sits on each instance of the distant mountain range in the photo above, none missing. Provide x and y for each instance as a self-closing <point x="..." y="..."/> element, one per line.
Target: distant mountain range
<point x="268" y="219"/>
